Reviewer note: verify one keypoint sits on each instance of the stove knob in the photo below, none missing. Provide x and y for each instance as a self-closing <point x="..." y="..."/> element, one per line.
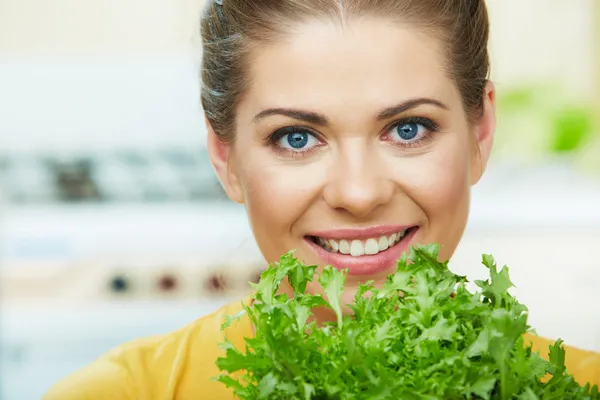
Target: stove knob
<point x="167" y="283"/>
<point x="119" y="284"/>
<point x="216" y="283"/>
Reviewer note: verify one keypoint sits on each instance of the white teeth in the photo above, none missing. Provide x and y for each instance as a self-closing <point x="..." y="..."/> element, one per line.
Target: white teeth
<point x="357" y="248"/>
<point x="371" y="247"/>
<point x="383" y="243"/>
<point x="392" y="239"/>
<point x="344" y="247"/>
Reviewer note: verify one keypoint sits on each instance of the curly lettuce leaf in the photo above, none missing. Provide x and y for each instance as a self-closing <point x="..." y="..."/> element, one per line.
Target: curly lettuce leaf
<point x="421" y="335"/>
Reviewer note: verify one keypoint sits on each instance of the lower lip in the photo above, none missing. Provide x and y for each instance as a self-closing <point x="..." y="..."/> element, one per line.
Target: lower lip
<point x="366" y="264"/>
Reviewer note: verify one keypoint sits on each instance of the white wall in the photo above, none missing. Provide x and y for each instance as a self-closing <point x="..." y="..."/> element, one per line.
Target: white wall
<point x="97" y="74"/>
<point x="97" y="26"/>
<point x="86" y="103"/>
<point x="545" y="40"/>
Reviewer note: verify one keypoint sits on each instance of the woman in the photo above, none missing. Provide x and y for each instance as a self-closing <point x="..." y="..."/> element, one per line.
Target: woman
<point x="349" y="129"/>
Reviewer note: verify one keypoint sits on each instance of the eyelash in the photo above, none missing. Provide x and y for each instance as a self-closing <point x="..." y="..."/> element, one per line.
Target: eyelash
<point x="274" y="138"/>
<point x="427" y="123"/>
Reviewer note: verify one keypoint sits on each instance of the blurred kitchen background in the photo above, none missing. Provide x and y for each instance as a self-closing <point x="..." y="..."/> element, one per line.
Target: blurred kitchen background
<point x="112" y="225"/>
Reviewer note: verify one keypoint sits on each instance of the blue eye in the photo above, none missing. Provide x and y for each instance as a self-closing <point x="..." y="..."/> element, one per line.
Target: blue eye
<point x="409" y="131"/>
<point x="297" y="141"/>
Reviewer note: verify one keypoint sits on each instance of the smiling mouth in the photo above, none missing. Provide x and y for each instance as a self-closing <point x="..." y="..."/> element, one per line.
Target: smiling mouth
<point x="361" y="247"/>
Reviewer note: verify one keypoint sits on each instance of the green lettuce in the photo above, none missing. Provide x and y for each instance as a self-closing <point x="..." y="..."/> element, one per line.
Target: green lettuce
<point x="422" y="335"/>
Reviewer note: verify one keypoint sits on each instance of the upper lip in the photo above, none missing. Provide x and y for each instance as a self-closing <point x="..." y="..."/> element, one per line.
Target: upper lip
<point x="361" y="233"/>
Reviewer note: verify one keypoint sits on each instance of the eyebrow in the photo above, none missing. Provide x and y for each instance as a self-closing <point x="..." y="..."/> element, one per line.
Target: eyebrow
<point x="320" y="119"/>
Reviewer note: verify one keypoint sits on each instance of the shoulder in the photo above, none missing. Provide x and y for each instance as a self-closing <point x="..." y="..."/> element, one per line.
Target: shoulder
<point x="584" y="365"/>
<point x="159" y="367"/>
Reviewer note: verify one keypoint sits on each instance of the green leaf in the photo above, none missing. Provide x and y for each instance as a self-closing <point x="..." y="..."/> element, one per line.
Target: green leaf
<point x="442" y="330"/>
<point x="501" y="281"/>
<point x="483" y="386"/>
<point x="528" y="395"/>
<point x="230" y="382"/>
<point x="233" y="361"/>
<point x="488" y="261"/>
<point x="267" y="385"/>
<point x="301" y="314"/>
<point x="422" y="335"/>
<point x="333" y="283"/>
<point x="229" y="320"/>
<point x="299" y="278"/>
<point x="556" y="357"/>
<point x="481" y="344"/>
<point x="266" y="287"/>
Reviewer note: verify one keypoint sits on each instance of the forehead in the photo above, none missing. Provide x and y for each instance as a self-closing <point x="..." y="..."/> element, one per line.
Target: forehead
<point x="367" y="63"/>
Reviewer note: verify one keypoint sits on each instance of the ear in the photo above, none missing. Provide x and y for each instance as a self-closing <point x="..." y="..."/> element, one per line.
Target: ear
<point x="222" y="160"/>
<point x="484" y="130"/>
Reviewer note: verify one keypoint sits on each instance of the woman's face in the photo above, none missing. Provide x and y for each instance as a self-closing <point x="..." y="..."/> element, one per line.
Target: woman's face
<point x="352" y="144"/>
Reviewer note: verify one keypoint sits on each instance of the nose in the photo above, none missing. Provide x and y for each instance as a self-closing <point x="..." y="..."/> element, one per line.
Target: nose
<point x="358" y="182"/>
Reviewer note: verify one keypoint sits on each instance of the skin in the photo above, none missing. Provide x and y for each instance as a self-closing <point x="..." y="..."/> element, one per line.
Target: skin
<point x="358" y="173"/>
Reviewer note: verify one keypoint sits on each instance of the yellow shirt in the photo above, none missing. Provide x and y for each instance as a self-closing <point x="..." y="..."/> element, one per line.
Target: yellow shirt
<point x="180" y="365"/>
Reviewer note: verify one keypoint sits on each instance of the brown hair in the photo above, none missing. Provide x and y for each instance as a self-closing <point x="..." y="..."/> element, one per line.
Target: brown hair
<point x="230" y="29"/>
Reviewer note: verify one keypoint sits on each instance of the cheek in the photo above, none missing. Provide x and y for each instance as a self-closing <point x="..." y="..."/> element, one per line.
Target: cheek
<point x="276" y="195"/>
<point x="443" y="194"/>
<point x="444" y="184"/>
